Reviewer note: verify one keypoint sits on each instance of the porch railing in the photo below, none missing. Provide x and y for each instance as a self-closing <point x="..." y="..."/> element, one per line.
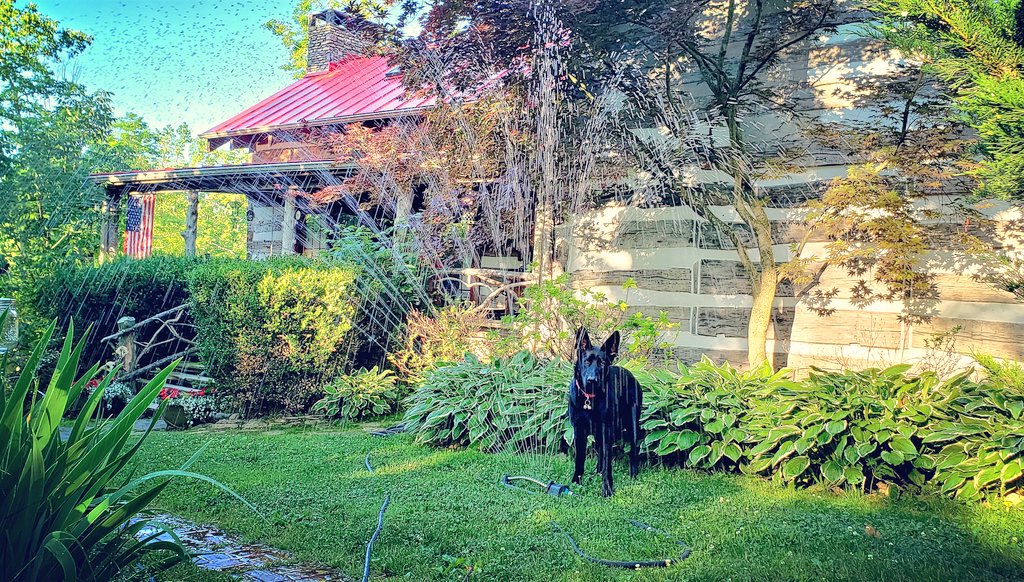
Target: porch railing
<point x="491" y="292"/>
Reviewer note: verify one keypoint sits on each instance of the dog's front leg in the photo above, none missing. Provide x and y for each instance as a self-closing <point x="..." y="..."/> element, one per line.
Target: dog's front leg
<point x="579" y="440"/>
<point x="599" y="447"/>
<point x="605" y="454"/>
<point x="634" y="457"/>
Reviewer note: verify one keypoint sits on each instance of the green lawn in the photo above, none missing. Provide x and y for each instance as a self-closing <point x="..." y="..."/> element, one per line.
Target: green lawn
<point x="321" y="504"/>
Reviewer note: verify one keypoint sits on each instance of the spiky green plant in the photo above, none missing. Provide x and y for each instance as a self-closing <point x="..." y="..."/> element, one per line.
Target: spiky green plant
<point x="66" y="507"/>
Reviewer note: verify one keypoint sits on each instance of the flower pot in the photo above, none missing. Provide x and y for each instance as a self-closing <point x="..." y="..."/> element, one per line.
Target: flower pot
<point x="175" y="416"/>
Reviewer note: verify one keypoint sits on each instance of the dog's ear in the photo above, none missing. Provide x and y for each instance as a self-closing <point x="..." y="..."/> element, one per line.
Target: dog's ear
<point x="611" y="345"/>
<point x="583" y="340"/>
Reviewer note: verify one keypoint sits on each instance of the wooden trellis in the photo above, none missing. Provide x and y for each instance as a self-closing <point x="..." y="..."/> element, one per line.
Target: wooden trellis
<point x="171" y="327"/>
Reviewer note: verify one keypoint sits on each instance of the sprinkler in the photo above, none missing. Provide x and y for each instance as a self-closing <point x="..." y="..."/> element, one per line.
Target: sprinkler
<point x="551" y="488"/>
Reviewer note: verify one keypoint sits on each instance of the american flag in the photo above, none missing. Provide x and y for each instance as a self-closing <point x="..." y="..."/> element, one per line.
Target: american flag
<point x="138" y="230"/>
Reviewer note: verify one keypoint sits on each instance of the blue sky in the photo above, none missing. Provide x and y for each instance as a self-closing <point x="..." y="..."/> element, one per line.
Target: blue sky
<point x="178" y="60"/>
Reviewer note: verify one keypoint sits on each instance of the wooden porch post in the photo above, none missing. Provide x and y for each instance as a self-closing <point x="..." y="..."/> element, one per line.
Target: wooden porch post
<point x="109" y="239"/>
<point x="191" y="223"/>
<point x="403" y="210"/>
<point x="288" y="225"/>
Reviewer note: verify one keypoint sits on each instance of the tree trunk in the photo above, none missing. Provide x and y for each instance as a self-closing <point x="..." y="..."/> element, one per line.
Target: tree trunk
<point x="765" y="287"/>
<point x="191" y="223"/>
<point x="764" y="277"/>
<point x="761" y="317"/>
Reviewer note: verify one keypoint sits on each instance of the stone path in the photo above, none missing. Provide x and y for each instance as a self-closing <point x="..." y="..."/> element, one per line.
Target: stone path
<point x="215" y="550"/>
<point x="140" y="425"/>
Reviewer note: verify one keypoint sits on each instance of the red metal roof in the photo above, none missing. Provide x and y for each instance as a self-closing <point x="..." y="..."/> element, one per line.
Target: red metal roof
<point x="353" y="89"/>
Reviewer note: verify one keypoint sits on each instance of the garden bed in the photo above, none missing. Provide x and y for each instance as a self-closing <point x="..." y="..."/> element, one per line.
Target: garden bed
<point x="448" y="512"/>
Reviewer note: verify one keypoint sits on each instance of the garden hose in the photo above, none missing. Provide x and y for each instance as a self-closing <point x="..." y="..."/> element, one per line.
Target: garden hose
<point x="631" y="565"/>
<point x="391" y="430"/>
<point x="380" y="525"/>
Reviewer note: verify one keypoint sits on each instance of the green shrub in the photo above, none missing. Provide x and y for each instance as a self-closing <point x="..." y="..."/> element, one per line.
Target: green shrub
<point x="695" y="417"/>
<point x="429" y="340"/>
<point x="390" y="277"/>
<point x="65" y="508"/>
<point x="517" y="404"/>
<point x="389" y="264"/>
<point x="851" y="429"/>
<point x="272" y="331"/>
<point x="551" y="311"/>
<point x="1008" y="376"/>
<point x="365" y="393"/>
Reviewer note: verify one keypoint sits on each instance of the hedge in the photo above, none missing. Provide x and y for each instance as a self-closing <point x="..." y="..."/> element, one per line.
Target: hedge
<point x="274" y="332"/>
<point x="98" y="296"/>
<point x="271" y="332"/>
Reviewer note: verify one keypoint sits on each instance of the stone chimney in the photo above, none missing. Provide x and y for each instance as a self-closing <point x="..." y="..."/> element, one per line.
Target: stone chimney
<point x="334" y="35"/>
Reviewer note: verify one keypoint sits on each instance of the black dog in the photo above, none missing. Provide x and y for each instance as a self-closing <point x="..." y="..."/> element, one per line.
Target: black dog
<point x="604" y="401"/>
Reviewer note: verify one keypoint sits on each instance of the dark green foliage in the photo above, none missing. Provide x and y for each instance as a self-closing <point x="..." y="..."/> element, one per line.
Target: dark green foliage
<point x="974" y="47"/>
<point x="851" y="428"/>
<point x="505" y="405"/>
<point x="389" y="279"/>
<point x="854" y="427"/>
<point x="979" y="446"/>
<point x="695" y="417"/>
<point x="270" y="332"/>
<point x="100" y="295"/>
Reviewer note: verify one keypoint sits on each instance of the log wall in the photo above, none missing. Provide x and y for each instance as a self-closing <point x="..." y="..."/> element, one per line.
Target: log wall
<point x="685" y="268"/>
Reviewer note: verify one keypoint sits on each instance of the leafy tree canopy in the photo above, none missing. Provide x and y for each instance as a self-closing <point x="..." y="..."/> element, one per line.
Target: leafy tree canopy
<point x="977" y="48"/>
<point x="53" y="132"/>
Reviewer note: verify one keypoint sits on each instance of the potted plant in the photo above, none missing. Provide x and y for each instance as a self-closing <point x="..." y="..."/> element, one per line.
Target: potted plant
<point x="186" y="408"/>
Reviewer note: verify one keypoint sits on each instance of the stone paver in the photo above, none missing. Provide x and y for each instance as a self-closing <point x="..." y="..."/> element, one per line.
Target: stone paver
<point x="212" y="549"/>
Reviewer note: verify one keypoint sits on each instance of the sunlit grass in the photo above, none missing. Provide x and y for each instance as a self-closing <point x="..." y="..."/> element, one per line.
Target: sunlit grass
<point x="447" y="504"/>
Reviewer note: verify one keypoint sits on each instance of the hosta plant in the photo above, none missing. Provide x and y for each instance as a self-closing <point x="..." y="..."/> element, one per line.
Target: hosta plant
<point x="516" y="404"/>
<point x="852" y="427"/>
<point x="365" y="393"/>
<point x="695" y="416"/>
<point x="66" y="510"/>
<point x="980" y="447"/>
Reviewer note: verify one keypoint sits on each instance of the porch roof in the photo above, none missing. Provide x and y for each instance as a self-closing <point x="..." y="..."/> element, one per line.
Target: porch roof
<point x="256" y="180"/>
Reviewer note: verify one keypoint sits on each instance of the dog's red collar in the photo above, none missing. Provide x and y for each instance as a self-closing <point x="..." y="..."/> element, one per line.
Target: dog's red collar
<point x="586" y="403"/>
<point x="582" y="391"/>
